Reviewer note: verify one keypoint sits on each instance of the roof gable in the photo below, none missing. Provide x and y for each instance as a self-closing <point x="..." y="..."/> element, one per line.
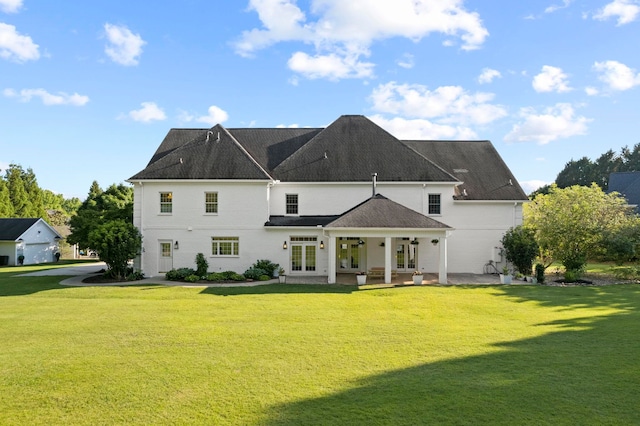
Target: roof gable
<point x="380" y="212"/>
<point x="477" y="164"/>
<point x="214" y="154"/>
<point x="350" y="150"/>
<point x="627" y="184"/>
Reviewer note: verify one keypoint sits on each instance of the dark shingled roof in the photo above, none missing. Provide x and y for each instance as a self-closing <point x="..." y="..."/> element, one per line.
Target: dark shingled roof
<point x="299" y="220"/>
<point x="11" y="229"/>
<point x="352" y="148"/>
<point x="348" y="150"/>
<point x="214" y="154"/>
<point x="380" y="212"/>
<point x="627" y="184"/>
<point x="475" y="163"/>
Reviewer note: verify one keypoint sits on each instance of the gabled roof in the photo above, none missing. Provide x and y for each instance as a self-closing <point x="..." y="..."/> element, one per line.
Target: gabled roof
<point x="627" y="184"/>
<point x="214" y="154"/>
<point x="352" y="148"/>
<point x="380" y="212"/>
<point x="13" y="228"/>
<point x="477" y="165"/>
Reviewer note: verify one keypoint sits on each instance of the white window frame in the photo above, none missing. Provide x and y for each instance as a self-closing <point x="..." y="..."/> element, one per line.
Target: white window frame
<point x="216" y="248"/>
<point x="208" y="203"/>
<point x="431" y="205"/>
<point x="166" y="202"/>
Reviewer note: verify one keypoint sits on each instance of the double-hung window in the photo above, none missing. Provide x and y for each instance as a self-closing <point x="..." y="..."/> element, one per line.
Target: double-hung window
<point x="166" y="202"/>
<point x="225" y="246"/>
<point x="211" y="202"/>
<point x="292" y="203"/>
<point x="434" y="204"/>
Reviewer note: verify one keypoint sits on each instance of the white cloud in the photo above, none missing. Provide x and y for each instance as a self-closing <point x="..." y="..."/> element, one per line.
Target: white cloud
<point x="488" y="75"/>
<point x="214" y="116"/>
<point x="554" y="7"/>
<point x="591" y="91"/>
<point x="625" y="10"/>
<point x="123" y="46"/>
<point x="345" y="30"/>
<point x="616" y="75"/>
<point x="10" y="6"/>
<point x="551" y="79"/>
<point x="16" y="47"/>
<point x="447" y="104"/>
<point x="553" y="123"/>
<point x="149" y="112"/>
<point x="60" y="98"/>
<point x="407" y="61"/>
<point x="332" y="66"/>
<point x="419" y="128"/>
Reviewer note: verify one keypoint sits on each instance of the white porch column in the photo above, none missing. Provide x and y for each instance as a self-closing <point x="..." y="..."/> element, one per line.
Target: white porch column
<point x="331" y="270"/>
<point x="442" y="264"/>
<point x="387" y="259"/>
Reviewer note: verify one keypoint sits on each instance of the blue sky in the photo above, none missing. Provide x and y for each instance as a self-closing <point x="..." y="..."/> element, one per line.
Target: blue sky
<point x="88" y="90"/>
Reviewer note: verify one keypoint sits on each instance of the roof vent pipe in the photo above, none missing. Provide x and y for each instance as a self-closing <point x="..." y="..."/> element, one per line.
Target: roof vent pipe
<point x="374" y="178"/>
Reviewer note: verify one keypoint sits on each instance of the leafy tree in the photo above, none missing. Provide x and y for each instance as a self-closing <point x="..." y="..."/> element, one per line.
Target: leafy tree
<point x="623" y="243"/>
<point x="630" y="159"/>
<point x="116" y="241"/>
<point x="6" y="207"/>
<point x="581" y="172"/>
<point x="116" y="203"/>
<point x="520" y="248"/>
<point x="570" y="223"/>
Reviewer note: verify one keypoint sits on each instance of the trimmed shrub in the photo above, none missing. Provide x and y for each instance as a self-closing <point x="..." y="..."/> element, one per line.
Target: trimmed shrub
<point x="228" y="275"/>
<point x="216" y="277"/>
<point x="237" y="277"/>
<point x="254" y="273"/>
<point x="267" y="266"/>
<point x="540" y="273"/>
<point x="264" y="278"/>
<point x="179" y="274"/>
<point x="192" y="278"/>
<point x="201" y="265"/>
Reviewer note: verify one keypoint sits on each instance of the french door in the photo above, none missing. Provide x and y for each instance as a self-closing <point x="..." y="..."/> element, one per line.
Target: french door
<point x="406" y="254"/>
<point x="303" y="254"/>
<point x="350" y="256"/>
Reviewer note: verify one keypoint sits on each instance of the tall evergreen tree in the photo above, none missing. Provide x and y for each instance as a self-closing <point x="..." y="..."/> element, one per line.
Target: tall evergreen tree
<point x="6" y="207"/>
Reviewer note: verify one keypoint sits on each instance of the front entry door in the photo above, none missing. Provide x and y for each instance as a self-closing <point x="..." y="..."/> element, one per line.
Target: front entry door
<point x="406" y="254"/>
<point x="303" y="255"/>
<point x="165" y="253"/>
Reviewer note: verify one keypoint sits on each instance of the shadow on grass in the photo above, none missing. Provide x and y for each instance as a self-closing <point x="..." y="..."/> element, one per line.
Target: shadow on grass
<point x="280" y="289"/>
<point x="22" y="286"/>
<point x="584" y="372"/>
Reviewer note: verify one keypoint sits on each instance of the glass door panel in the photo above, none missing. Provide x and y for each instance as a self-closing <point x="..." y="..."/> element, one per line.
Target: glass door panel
<point x="310" y="258"/>
<point x="296" y="258"/>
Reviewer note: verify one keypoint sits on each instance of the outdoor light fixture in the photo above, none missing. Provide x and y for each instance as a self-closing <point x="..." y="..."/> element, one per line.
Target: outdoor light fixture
<point x="176" y="246"/>
<point x="321" y="245"/>
<point x="284" y="245"/>
<point x="360" y="242"/>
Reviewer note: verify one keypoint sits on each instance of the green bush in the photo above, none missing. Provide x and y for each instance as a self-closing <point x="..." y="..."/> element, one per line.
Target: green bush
<point x="520" y="248"/>
<point x="626" y="272"/>
<point x="237" y="277"/>
<point x="179" y="274"/>
<point x="540" y="273"/>
<point x="571" y="276"/>
<point x="254" y="273"/>
<point x="264" y="277"/>
<point x="267" y="266"/>
<point x="228" y="275"/>
<point x="201" y="265"/>
<point x="192" y="278"/>
<point x="216" y="277"/>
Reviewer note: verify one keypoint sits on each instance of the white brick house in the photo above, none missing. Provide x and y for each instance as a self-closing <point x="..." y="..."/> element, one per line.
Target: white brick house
<point x="323" y="201"/>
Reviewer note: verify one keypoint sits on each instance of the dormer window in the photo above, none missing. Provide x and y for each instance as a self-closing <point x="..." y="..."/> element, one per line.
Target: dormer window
<point x="292" y="203"/>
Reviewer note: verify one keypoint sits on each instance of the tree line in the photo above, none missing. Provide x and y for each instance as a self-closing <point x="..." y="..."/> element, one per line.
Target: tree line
<point x="22" y="197"/>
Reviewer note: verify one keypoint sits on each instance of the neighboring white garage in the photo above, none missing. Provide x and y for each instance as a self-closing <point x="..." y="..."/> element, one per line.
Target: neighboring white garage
<point x="27" y="241"/>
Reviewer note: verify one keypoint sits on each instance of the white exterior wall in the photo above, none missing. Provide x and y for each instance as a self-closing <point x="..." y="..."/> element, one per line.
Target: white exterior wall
<point x="38" y="246"/>
<point x="244" y="207"/>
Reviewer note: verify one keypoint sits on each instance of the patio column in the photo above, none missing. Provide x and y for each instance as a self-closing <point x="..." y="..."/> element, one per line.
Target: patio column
<point x="442" y="264"/>
<point x="387" y="260"/>
<point x="331" y="270"/>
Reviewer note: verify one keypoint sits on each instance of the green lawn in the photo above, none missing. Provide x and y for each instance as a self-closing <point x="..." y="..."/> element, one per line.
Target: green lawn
<point x="303" y="355"/>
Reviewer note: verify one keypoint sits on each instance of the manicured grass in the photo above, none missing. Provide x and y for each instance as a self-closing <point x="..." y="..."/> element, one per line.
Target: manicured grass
<point x="302" y="354"/>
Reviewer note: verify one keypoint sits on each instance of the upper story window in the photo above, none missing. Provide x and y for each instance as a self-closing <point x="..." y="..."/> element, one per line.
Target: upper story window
<point x="211" y="202"/>
<point x="434" y="204"/>
<point x="166" y="202"/>
<point x="292" y="203"/>
<point x="225" y="246"/>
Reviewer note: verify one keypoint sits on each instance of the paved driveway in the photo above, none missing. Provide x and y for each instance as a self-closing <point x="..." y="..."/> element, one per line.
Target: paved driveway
<point x="85" y="269"/>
